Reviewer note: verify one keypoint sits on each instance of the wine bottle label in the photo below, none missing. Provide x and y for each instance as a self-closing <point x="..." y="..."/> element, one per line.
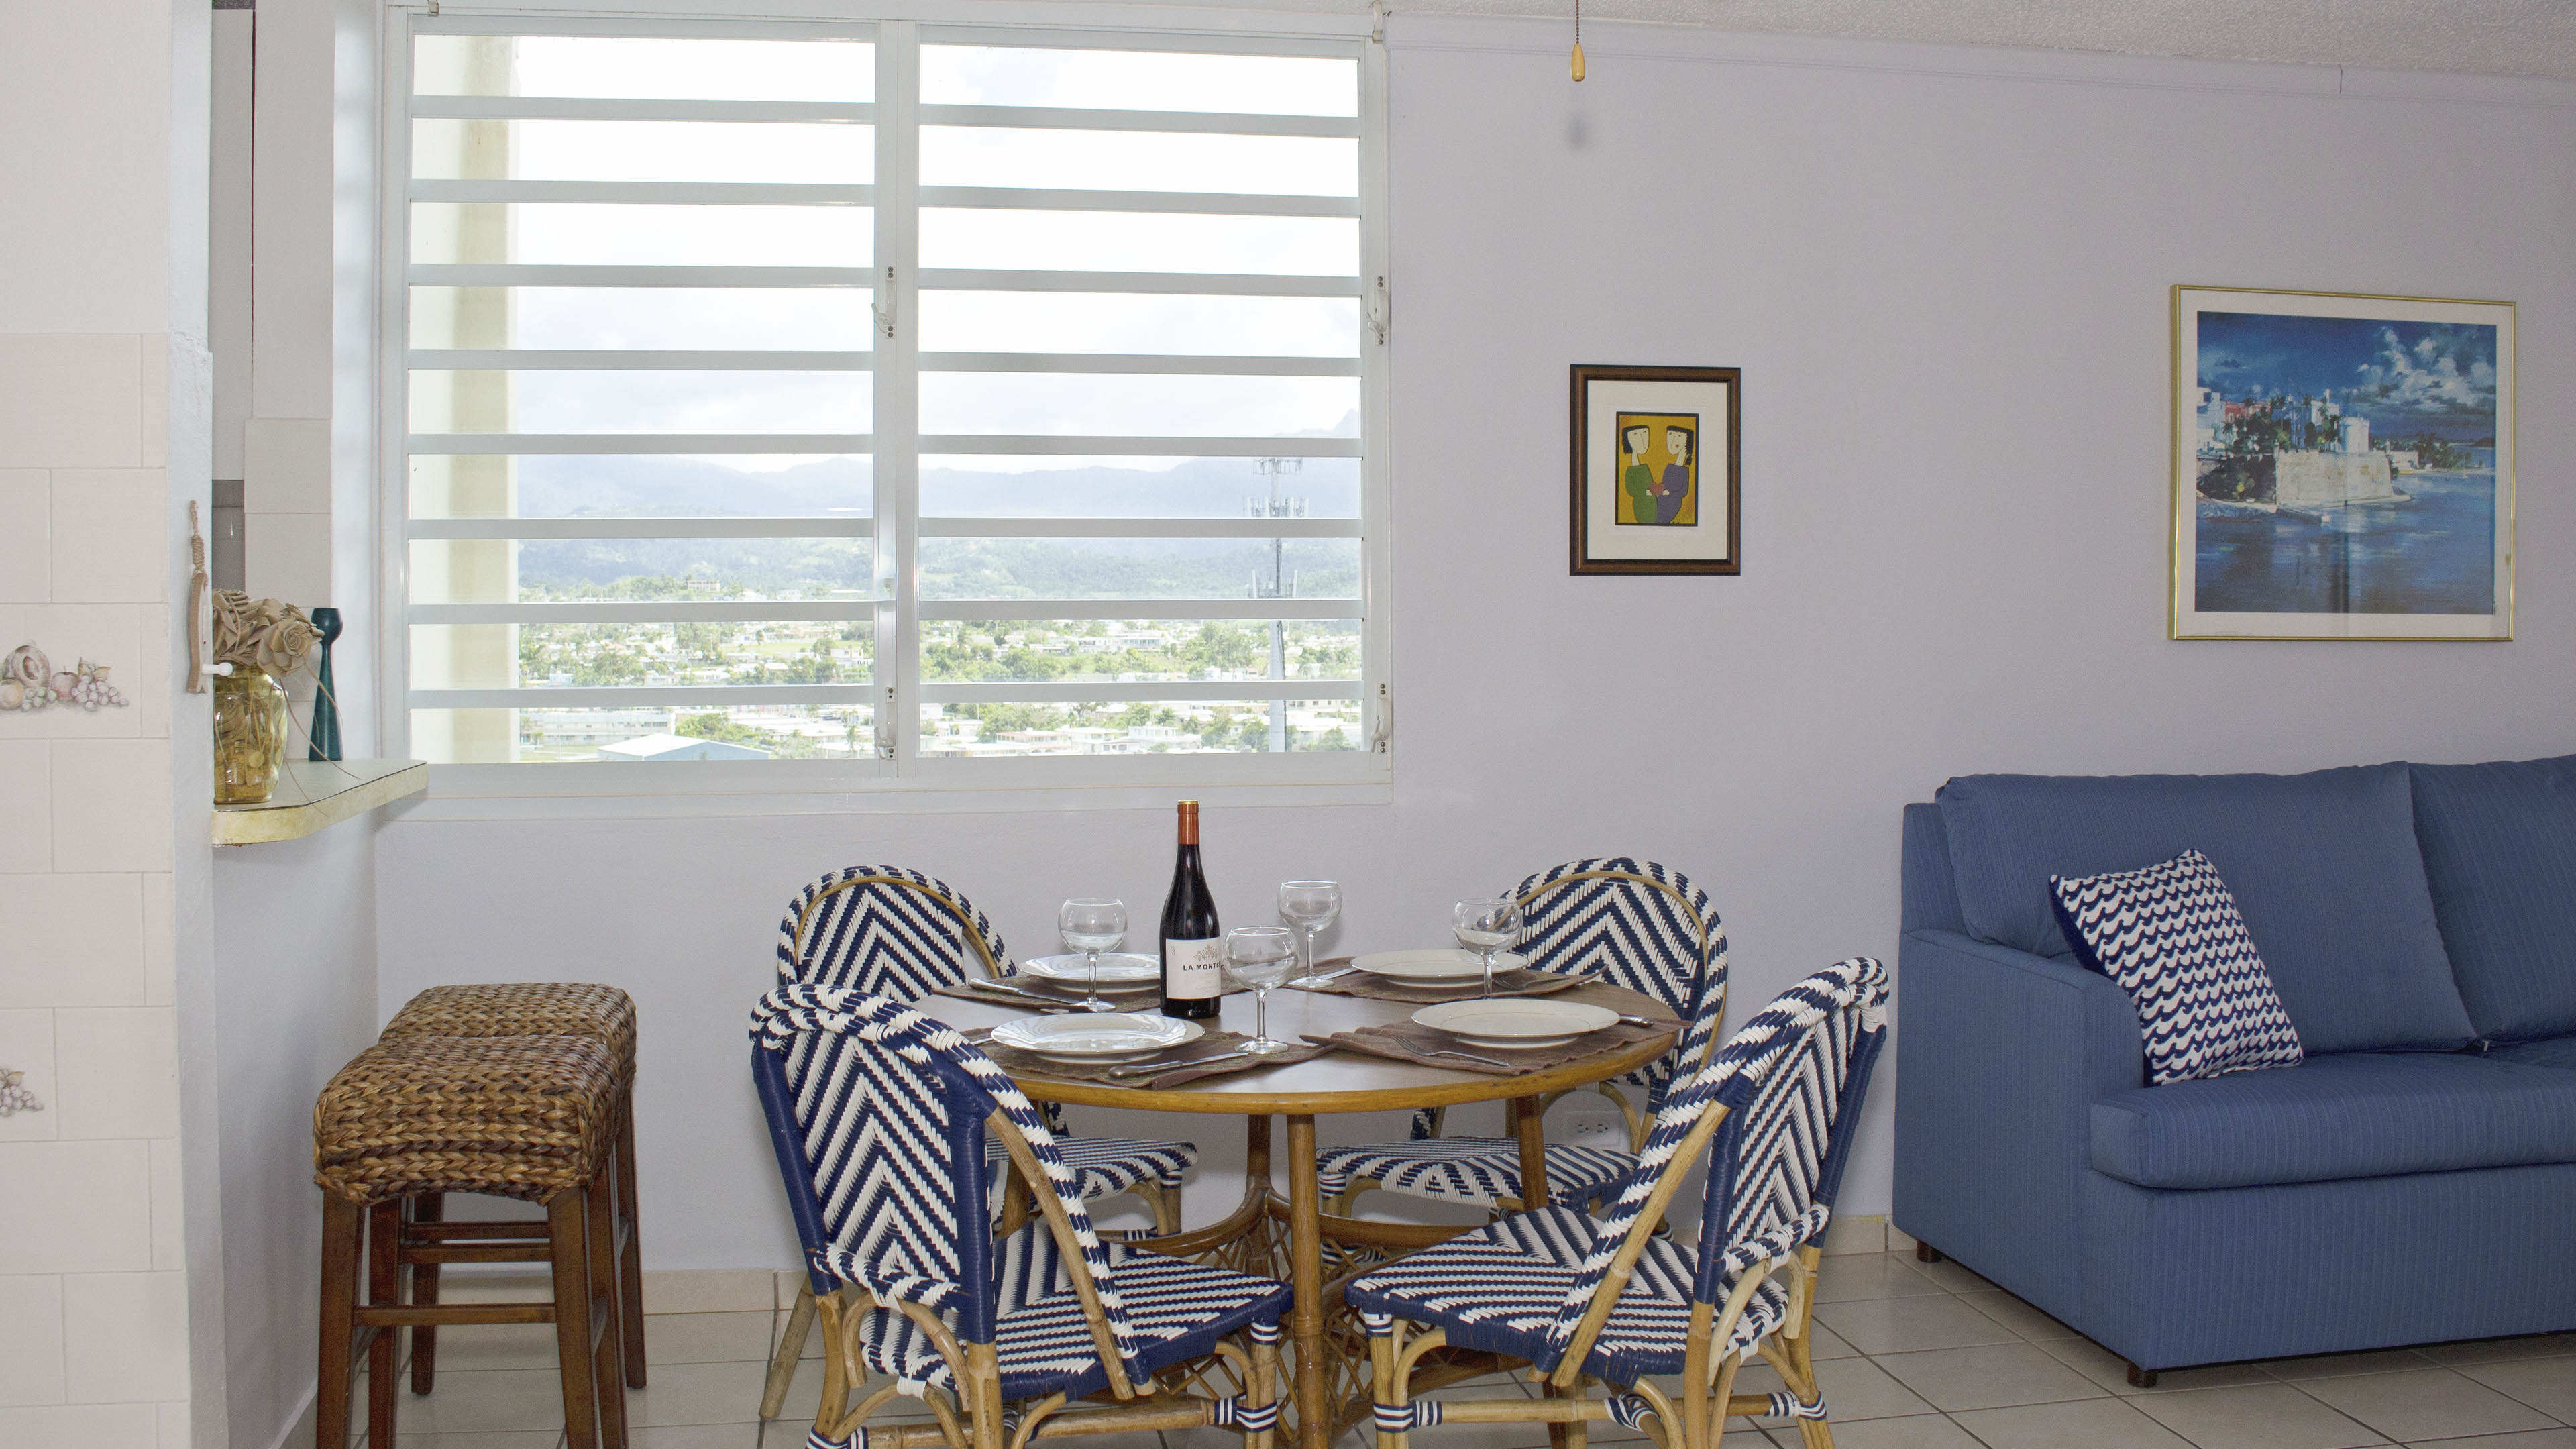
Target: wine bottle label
<point x="1193" y="970"/>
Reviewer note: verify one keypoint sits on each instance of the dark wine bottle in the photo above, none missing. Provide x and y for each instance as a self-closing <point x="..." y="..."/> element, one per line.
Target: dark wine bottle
<point x="1193" y="943"/>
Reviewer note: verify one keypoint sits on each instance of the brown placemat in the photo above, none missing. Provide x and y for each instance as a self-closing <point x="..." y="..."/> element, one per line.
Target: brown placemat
<point x="1408" y="1041"/>
<point x="1183" y="1061"/>
<point x="1516" y="981"/>
<point x="1043" y="993"/>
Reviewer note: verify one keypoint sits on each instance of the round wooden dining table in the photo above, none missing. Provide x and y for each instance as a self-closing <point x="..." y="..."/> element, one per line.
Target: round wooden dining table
<point x="1335" y="1082"/>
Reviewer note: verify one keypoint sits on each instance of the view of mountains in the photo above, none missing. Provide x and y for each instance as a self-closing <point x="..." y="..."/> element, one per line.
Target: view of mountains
<point x="955" y="568"/>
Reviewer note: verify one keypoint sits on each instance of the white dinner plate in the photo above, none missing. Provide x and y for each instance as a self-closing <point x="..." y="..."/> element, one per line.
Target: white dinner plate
<point x="1516" y="1021"/>
<point x="1106" y="1036"/>
<point x="1119" y="970"/>
<point x="1440" y="964"/>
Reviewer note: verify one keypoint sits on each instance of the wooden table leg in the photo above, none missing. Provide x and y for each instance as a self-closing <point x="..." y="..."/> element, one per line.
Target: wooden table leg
<point x="1306" y="1276"/>
<point x="1529" y="1124"/>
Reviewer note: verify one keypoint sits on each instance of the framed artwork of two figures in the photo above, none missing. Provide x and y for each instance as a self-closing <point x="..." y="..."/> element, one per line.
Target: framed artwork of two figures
<point x="1655" y="470"/>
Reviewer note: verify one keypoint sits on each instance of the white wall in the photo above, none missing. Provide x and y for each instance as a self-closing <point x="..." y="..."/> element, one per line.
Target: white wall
<point x="1944" y="274"/>
<point x="103" y="860"/>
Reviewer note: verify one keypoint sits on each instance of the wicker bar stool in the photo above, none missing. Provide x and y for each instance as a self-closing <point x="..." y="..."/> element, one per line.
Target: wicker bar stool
<point x="528" y="1117"/>
<point x="533" y="1008"/>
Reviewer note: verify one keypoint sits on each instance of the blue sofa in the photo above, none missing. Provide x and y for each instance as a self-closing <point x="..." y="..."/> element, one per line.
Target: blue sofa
<point x="2413" y="1181"/>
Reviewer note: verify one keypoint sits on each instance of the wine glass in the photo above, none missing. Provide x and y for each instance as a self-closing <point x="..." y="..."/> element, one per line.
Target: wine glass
<point x="1259" y="957"/>
<point x="1485" y="927"/>
<point x="1092" y="925"/>
<point x="1310" y="905"/>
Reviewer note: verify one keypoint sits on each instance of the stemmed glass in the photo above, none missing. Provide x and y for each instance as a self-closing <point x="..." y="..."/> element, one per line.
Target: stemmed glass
<point x="1259" y="957"/>
<point x="1310" y="905"/>
<point x="1485" y="927"/>
<point x="1092" y="925"/>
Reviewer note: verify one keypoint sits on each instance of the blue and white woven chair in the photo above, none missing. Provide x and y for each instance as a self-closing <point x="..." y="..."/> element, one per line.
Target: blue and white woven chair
<point x="888" y="931"/>
<point x="878" y="1114"/>
<point x="1639" y="925"/>
<point x="1584" y="1300"/>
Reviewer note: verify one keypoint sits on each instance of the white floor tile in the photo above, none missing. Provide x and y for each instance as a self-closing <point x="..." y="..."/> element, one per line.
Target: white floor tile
<point x="2093" y="1423"/>
<point x="2256" y="1416"/>
<point x="2426" y="1403"/>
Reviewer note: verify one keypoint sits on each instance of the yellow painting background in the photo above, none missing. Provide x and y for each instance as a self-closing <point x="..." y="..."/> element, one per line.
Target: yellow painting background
<point x="1656" y="457"/>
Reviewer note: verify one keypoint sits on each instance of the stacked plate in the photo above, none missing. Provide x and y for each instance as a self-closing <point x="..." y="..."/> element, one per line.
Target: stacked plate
<point x="1516" y="1021"/>
<point x="1121" y="972"/>
<point x="1108" y="1036"/>
<point x="1445" y="966"/>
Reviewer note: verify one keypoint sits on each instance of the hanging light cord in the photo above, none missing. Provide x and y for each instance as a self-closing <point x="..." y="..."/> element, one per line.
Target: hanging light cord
<point x="1578" y="39"/>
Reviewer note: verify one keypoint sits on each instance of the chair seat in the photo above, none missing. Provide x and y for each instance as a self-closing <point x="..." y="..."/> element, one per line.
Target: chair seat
<point x="2344" y="1115"/>
<point x="2555" y="1052"/>
<point x="1106" y="1166"/>
<point x="1177" y="1309"/>
<point x="1499" y="1289"/>
<point x="1475" y="1170"/>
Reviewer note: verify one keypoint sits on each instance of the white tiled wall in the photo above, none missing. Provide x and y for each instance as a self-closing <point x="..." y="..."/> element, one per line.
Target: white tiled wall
<point x="93" y="1310"/>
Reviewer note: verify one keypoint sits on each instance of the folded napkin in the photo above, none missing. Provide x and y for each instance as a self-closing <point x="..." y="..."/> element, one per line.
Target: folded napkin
<point x="1409" y="1041"/>
<point x="1515" y="981"/>
<point x="1183" y="1063"/>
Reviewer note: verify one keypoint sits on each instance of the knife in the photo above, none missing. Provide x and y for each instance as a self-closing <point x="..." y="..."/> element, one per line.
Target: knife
<point x="1155" y="1069"/>
<point x="987" y="983"/>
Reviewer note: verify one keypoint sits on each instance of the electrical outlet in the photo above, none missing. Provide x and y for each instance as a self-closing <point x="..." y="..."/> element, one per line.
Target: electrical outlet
<point x="1596" y="1127"/>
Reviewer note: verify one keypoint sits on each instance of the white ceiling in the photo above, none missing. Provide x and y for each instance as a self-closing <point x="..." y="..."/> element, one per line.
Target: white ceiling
<point x="2480" y="37"/>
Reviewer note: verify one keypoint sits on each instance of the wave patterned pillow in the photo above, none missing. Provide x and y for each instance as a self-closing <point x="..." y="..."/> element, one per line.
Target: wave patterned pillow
<point x="2171" y="937"/>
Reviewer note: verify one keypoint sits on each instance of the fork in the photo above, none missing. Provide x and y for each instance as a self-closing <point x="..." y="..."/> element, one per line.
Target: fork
<point x="1150" y="1069"/>
<point x="1471" y="1056"/>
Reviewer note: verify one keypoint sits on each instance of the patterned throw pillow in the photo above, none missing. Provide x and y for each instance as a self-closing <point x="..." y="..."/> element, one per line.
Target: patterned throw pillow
<point x="2170" y="936"/>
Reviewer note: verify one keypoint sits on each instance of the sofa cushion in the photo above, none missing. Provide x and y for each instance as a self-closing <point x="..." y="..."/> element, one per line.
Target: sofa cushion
<point x="2171" y="936"/>
<point x="2357" y="1114"/>
<point x="2559" y="1052"/>
<point x="2324" y="868"/>
<point x="2499" y="847"/>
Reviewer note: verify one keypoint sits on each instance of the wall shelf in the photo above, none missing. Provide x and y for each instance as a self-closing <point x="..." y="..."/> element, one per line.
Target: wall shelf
<point x="315" y="794"/>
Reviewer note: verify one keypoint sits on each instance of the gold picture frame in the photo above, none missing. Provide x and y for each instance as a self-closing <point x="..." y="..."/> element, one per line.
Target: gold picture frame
<point x="2343" y="466"/>
<point x="1646" y="444"/>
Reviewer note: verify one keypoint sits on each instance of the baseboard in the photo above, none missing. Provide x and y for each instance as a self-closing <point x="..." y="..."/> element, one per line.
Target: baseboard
<point x="1861" y="1233"/>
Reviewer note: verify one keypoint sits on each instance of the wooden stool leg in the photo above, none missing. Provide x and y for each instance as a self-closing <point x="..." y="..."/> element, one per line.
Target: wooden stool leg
<point x="428" y="1207"/>
<point x="630" y="1257"/>
<point x="343" y="1240"/>
<point x="611" y="1359"/>
<point x="384" y="1289"/>
<point x="566" y="1229"/>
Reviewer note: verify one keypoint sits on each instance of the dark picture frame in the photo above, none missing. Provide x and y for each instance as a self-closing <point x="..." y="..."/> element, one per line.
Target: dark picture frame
<point x="1643" y="446"/>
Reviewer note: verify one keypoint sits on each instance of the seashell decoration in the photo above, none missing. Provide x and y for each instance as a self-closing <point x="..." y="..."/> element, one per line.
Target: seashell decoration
<point x="29" y="681"/>
<point x="14" y="1097"/>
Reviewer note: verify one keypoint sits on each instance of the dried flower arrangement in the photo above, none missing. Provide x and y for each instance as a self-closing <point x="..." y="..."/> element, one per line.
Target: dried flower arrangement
<point x="29" y="681"/>
<point x="262" y="634"/>
<point x="14" y="1096"/>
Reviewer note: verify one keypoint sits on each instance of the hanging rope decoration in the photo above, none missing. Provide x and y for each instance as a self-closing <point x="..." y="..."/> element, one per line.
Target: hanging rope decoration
<point x="1578" y="39"/>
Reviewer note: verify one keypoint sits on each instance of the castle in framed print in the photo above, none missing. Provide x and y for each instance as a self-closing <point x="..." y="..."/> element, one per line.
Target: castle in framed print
<point x="2343" y="466"/>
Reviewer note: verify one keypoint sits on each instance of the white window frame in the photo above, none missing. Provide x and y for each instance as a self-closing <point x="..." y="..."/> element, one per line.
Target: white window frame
<point x="896" y="444"/>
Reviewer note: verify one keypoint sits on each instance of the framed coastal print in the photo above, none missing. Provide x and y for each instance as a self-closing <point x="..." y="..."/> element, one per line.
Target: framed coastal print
<point x="2343" y="466"/>
<point x="1655" y="470"/>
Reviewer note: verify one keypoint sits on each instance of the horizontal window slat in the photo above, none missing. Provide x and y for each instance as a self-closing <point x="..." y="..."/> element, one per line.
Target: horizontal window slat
<point x="1142" y="528"/>
<point x="1197" y="123"/>
<point x="523" y="528"/>
<point x="714" y="611"/>
<point x="1142" y="609"/>
<point x="795" y="443"/>
<point x="613" y="696"/>
<point x="1074" y="445"/>
<point x="1176" y="690"/>
<point x="549" y="108"/>
<point x="679" y="193"/>
<point x="440" y="274"/>
<point x="1031" y="198"/>
<point x="1181" y="284"/>
<point x="601" y="359"/>
<point x="1181" y="364"/>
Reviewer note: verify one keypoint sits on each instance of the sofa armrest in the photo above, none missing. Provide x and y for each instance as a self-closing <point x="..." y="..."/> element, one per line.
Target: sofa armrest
<point x="2001" y="1057"/>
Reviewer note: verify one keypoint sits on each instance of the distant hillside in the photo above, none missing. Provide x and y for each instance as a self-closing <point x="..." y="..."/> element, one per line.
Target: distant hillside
<point x="573" y="485"/>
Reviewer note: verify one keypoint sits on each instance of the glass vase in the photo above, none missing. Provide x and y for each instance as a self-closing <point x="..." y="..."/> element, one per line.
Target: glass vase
<point x="250" y="736"/>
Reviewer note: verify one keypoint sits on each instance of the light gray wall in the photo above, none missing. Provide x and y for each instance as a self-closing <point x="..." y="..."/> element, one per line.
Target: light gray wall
<point x="295" y="988"/>
<point x="1944" y="274"/>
